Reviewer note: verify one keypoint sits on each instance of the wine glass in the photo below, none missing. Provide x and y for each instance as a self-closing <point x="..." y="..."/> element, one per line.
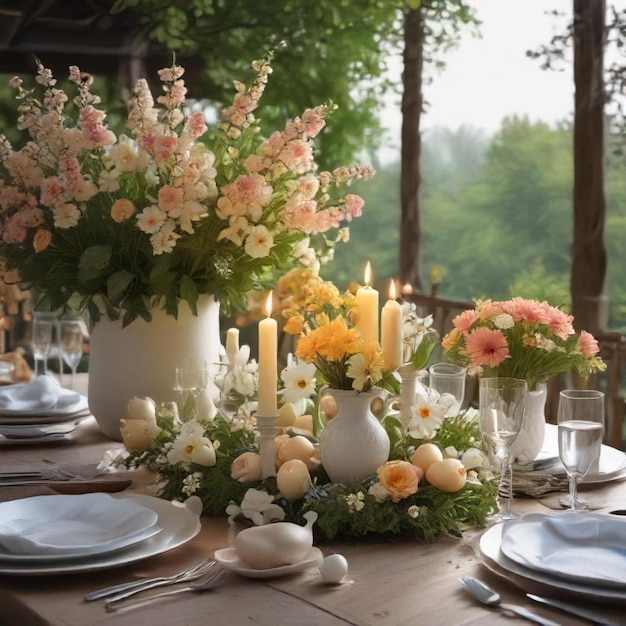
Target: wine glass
<point x="502" y="403"/>
<point x="43" y="326"/>
<point x="580" y="427"/>
<point x="71" y="344"/>
<point x="192" y="378"/>
<point x="448" y="380"/>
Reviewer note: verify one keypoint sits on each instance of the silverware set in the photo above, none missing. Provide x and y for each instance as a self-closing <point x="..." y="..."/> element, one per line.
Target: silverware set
<point x="485" y="594"/>
<point x="202" y="576"/>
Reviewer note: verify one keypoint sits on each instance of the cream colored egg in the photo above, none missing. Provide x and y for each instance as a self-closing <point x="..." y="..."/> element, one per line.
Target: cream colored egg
<point x="334" y="569"/>
<point x="328" y="406"/>
<point x="287" y="415"/>
<point x="426" y="455"/>
<point x="447" y="475"/>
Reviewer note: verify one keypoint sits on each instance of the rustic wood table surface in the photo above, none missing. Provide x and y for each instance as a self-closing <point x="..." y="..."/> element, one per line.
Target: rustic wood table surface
<point x="390" y="583"/>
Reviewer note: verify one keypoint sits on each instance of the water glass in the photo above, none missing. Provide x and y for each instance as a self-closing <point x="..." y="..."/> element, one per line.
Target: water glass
<point x="502" y="404"/>
<point x="448" y="380"/>
<point x="192" y="378"/>
<point x="580" y="430"/>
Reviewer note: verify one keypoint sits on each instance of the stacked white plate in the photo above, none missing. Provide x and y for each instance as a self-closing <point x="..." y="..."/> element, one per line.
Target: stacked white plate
<point x="40" y="411"/>
<point x="571" y="553"/>
<point x="66" y="534"/>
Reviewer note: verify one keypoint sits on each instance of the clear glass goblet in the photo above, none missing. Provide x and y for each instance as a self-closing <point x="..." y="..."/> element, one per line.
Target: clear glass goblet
<point x="580" y="429"/>
<point x="192" y="378"/>
<point x="71" y="344"/>
<point x="502" y="403"/>
<point x="41" y="341"/>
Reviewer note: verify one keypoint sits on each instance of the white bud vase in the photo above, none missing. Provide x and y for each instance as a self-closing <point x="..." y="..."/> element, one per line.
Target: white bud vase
<point x="140" y="360"/>
<point x="529" y="442"/>
<point x="354" y="444"/>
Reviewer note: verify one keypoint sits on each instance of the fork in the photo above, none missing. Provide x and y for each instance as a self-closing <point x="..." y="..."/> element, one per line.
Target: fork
<point x="204" y="583"/>
<point x="125" y="590"/>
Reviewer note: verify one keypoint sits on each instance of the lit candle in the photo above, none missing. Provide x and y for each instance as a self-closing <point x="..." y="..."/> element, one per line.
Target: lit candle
<point x="391" y="331"/>
<point x="407" y="289"/>
<point x="367" y="308"/>
<point x="268" y="361"/>
<point x="232" y="345"/>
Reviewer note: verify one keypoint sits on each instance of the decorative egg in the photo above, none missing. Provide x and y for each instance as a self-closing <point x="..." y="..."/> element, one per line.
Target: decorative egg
<point x="333" y="569"/>
<point x="425" y="455"/>
<point x="273" y="545"/>
<point x="447" y="475"/>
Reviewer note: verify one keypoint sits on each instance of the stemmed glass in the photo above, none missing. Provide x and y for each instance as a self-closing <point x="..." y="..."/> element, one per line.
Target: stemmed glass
<point x="581" y="427"/>
<point x="41" y="342"/>
<point x="192" y="378"/>
<point x="71" y="344"/>
<point x="502" y="403"/>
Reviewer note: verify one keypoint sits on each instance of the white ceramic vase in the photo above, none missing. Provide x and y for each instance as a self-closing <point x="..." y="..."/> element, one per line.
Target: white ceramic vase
<point x="530" y="439"/>
<point x="140" y="360"/>
<point x="354" y="444"/>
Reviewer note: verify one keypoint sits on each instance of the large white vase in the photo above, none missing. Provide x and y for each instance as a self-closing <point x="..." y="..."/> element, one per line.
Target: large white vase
<point x="140" y="360"/>
<point x="354" y="444"/>
<point x="529" y="442"/>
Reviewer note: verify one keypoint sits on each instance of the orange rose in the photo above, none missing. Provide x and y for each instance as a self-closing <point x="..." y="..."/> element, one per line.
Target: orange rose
<point x="122" y="209"/>
<point x="400" y="478"/>
<point x="42" y="239"/>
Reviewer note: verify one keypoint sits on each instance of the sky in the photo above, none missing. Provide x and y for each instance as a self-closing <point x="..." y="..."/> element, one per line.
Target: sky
<point x="488" y="79"/>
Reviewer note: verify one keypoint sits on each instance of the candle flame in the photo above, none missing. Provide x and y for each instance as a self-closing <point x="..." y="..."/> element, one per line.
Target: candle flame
<point x="367" y="277"/>
<point x="407" y="289"/>
<point x="267" y="305"/>
<point x="392" y="290"/>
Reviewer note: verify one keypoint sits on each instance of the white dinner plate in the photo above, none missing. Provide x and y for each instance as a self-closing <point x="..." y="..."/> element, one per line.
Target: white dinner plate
<point x="229" y="559"/>
<point x="25" y="431"/>
<point x="71" y="525"/>
<point x="23" y="419"/>
<point x="178" y="526"/>
<point x="539" y="582"/>
<point x="583" y="546"/>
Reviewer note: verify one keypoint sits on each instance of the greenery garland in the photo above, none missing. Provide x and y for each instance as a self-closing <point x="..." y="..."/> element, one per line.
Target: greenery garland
<point x="344" y="511"/>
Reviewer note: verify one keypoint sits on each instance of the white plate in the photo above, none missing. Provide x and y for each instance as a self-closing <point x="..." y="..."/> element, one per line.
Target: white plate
<point x="611" y="465"/>
<point x="530" y="580"/>
<point x="23" y="419"/>
<point x="178" y="526"/>
<point x="25" y="431"/>
<point x="583" y="546"/>
<point x="229" y="559"/>
<point x="70" y="524"/>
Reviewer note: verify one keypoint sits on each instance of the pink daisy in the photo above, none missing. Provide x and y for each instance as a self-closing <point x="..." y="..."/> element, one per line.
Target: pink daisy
<point x="487" y="347"/>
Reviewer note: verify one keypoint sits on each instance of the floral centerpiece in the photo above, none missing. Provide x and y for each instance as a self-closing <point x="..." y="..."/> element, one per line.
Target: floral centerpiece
<point x="434" y="481"/>
<point x="520" y="338"/>
<point x="114" y="223"/>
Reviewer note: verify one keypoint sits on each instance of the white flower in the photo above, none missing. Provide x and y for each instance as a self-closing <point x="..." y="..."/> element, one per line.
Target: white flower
<point x="379" y="492"/>
<point x="355" y="501"/>
<point x="299" y="381"/>
<point x="473" y="458"/>
<point x="413" y="511"/>
<point x="191" y="446"/>
<point x="259" y="242"/>
<point x="503" y="321"/>
<point x="427" y="417"/>
<point x="257" y="506"/>
<point x="191" y="483"/>
<point x="151" y="219"/>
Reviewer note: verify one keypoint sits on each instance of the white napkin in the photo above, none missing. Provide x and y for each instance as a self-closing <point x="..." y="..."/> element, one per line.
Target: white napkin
<point x="82" y="524"/>
<point x="42" y="393"/>
<point x="583" y="546"/>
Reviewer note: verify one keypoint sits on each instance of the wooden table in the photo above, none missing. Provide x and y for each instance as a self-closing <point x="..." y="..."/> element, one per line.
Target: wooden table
<point x="391" y="583"/>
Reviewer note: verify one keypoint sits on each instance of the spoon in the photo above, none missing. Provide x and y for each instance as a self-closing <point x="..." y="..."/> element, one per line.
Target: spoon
<point x="488" y="596"/>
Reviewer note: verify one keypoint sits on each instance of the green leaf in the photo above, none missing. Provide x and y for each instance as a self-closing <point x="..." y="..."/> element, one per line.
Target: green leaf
<point x="189" y="292"/>
<point x="117" y="284"/>
<point x="93" y="263"/>
<point x="419" y="359"/>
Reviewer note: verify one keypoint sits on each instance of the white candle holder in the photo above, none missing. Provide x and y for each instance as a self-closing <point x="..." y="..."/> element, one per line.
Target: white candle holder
<point x="266" y="425"/>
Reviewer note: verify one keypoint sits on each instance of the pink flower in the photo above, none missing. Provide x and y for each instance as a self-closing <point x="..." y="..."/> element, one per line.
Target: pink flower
<point x="354" y="206"/>
<point x="587" y="344"/>
<point x="171" y="200"/>
<point x="527" y="310"/>
<point x="164" y="147"/>
<point x="313" y="122"/>
<point x="487" y="347"/>
<point x="464" y="320"/>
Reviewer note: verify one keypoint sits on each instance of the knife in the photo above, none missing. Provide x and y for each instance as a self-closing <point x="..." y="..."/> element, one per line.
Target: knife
<point x="574" y="609"/>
